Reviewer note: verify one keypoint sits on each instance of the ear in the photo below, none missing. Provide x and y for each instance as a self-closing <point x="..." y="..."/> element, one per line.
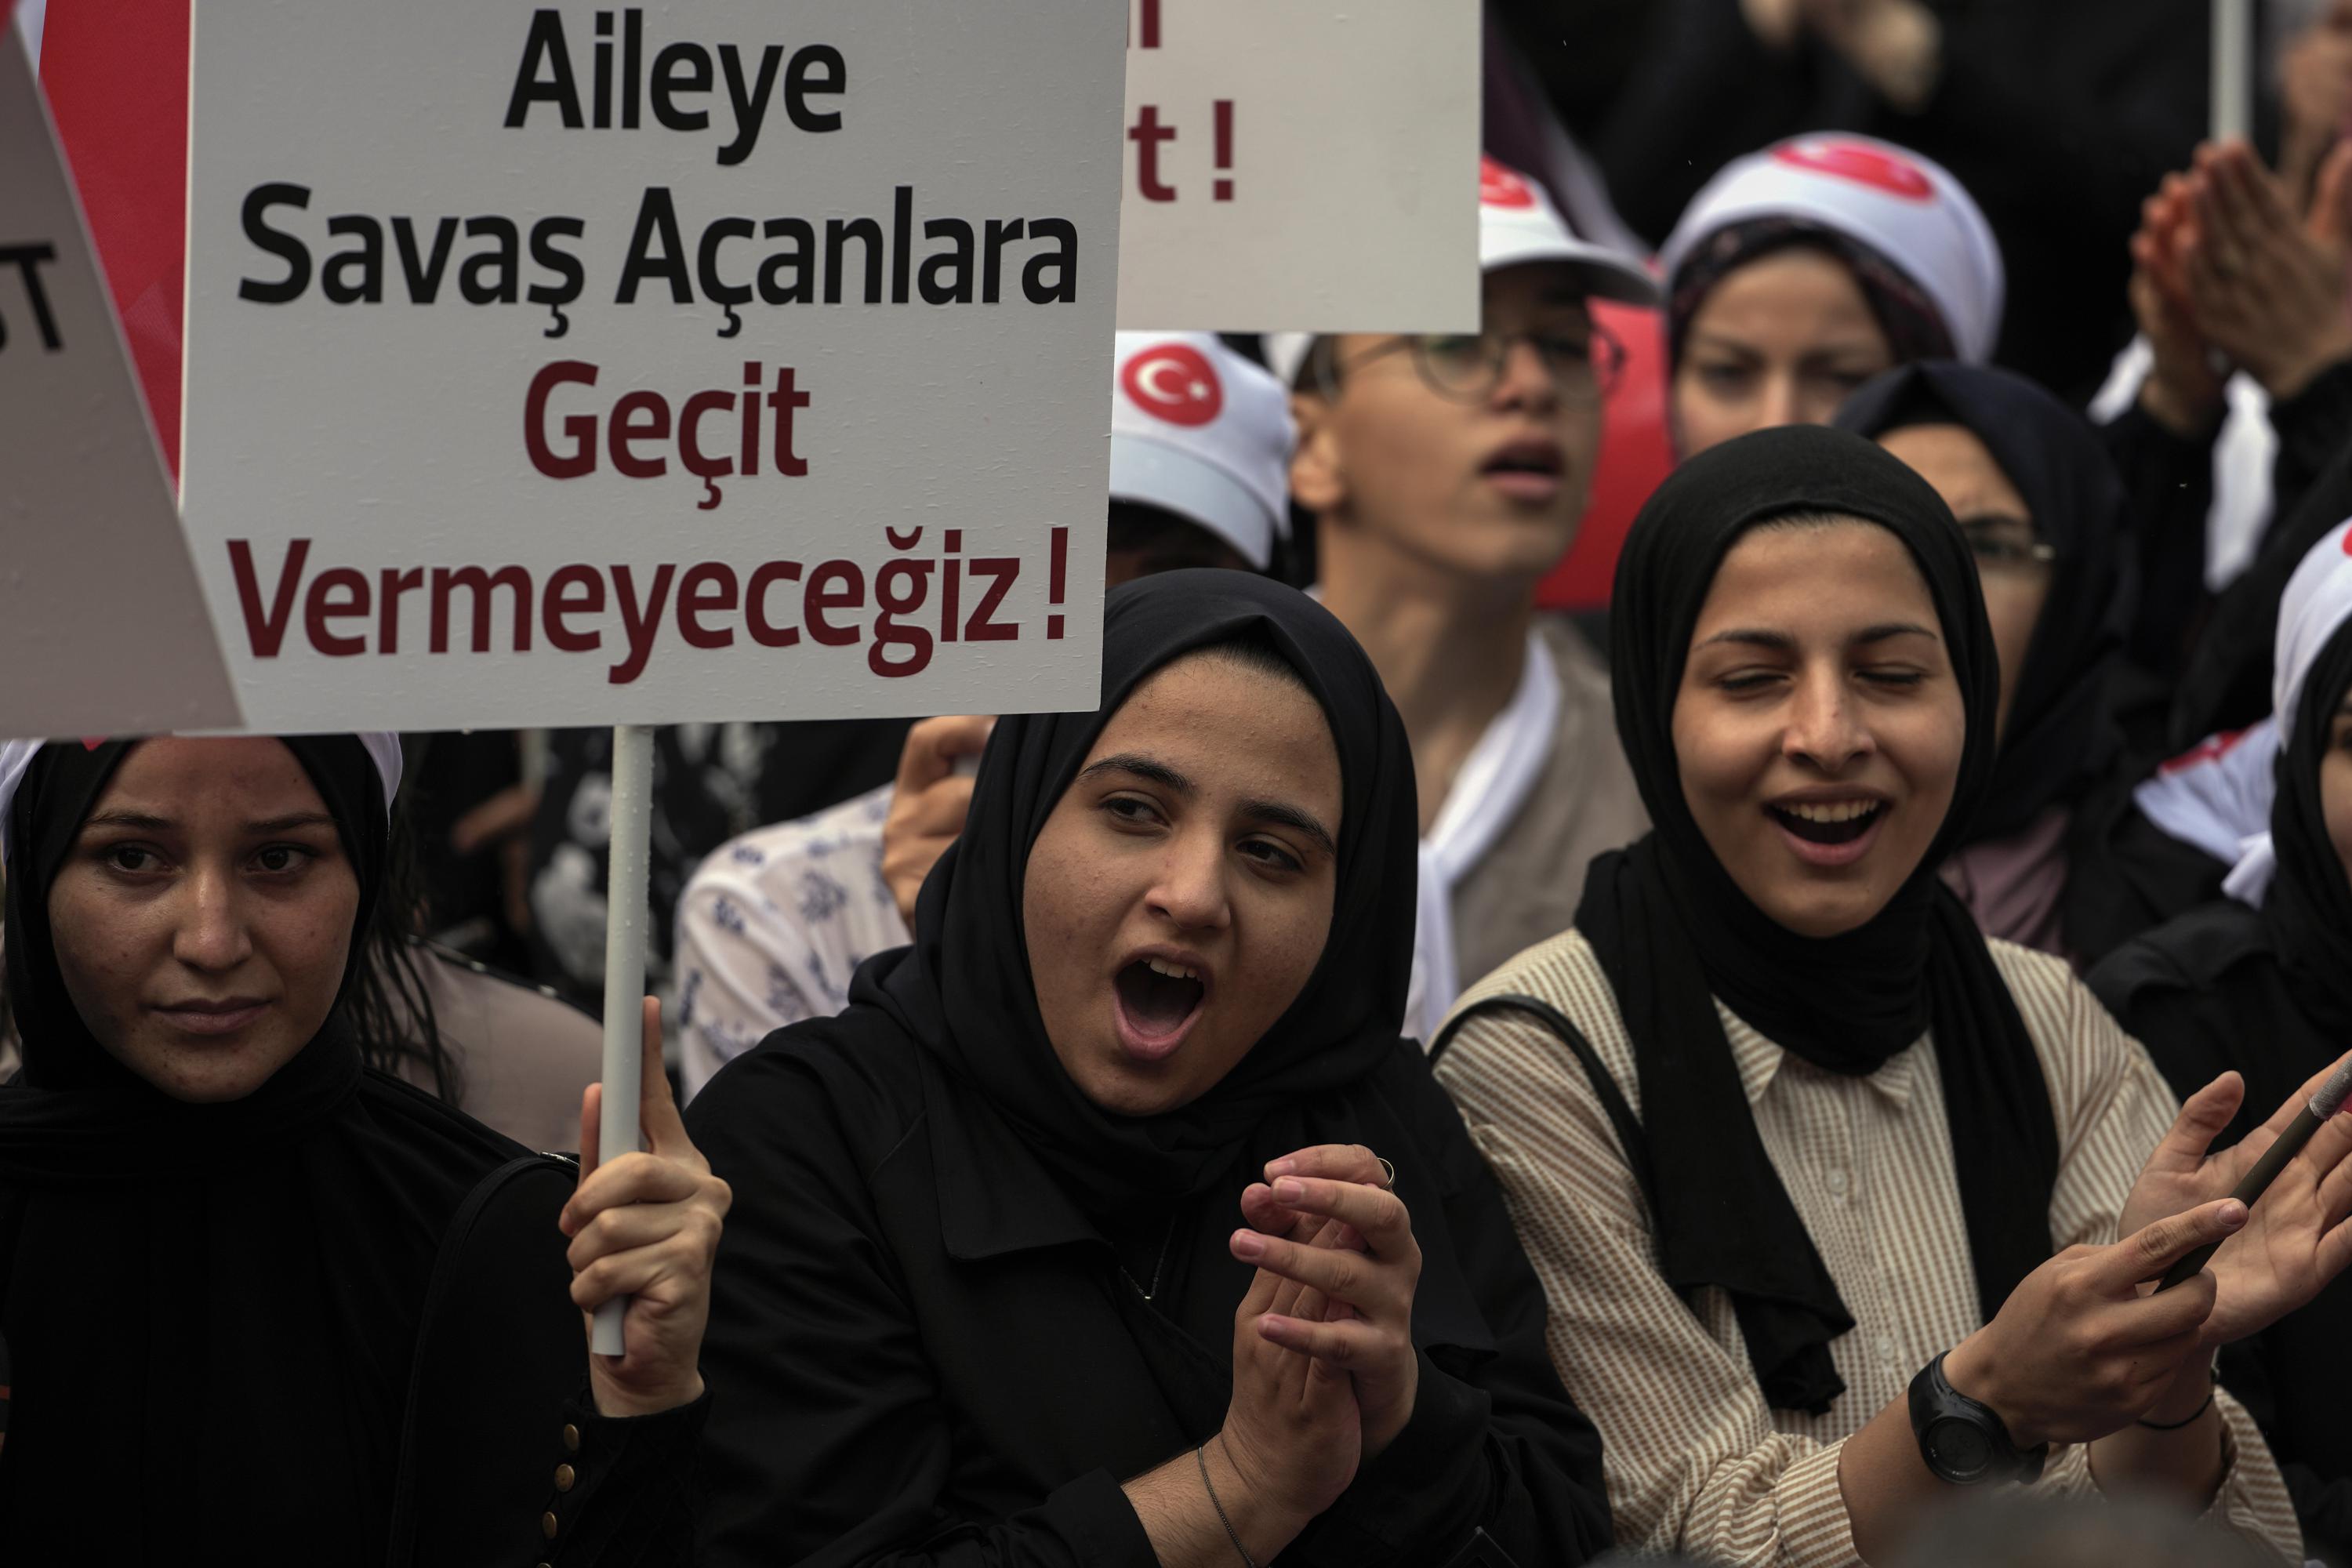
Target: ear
<point x="1319" y="475"/>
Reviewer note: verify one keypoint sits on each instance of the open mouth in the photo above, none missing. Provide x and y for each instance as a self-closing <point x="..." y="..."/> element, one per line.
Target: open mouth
<point x="1829" y="822"/>
<point x="1157" y="1000"/>
<point x="1527" y="460"/>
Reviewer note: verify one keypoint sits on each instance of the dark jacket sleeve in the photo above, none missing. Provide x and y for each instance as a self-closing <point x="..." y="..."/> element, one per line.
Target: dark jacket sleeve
<point x="2170" y="478"/>
<point x="827" y="1443"/>
<point x="2314" y="428"/>
<point x="2228" y="683"/>
<point x="621" y="1492"/>
<point x="1494" y="1442"/>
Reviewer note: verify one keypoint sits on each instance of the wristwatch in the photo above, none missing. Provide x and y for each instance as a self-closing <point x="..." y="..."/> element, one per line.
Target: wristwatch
<point x="1963" y="1441"/>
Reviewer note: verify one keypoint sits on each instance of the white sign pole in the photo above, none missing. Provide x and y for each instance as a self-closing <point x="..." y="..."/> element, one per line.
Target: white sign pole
<point x="2233" y="70"/>
<point x="624" y="974"/>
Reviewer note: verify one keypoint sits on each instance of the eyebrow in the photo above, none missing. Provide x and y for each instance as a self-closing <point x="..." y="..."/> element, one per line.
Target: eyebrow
<point x="1272" y="813"/>
<point x="1757" y="636"/>
<point x="145" y="822"/>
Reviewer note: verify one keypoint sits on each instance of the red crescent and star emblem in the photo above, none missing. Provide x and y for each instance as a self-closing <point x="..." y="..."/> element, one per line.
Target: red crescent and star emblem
<point x="1174" y="381"/>
<point x="1863" y="164"/>
<point x="1501" y="187"/>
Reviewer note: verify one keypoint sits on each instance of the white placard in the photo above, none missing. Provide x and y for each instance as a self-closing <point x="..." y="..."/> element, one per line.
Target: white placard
<point x="102" y="629"/>
<point x="1301" y="167"/>
<point x="615" y="364"/>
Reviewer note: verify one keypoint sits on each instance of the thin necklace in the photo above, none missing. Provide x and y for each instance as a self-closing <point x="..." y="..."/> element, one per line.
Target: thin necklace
<point x="1165" y="1237"/>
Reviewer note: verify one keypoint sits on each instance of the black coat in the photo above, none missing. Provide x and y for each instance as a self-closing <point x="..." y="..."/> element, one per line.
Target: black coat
<point x="925" y="1354"/>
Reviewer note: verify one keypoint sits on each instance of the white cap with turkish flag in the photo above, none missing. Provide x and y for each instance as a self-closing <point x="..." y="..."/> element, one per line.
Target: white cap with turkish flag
<point x="1910" y="209"/>
<point x="1518" y="226"/>
<point x="1198" y="430"/>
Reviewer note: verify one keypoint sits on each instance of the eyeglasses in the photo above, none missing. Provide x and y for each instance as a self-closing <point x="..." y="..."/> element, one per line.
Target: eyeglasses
<point x="1583" y="366"/>
<point x="1996" y="542"/>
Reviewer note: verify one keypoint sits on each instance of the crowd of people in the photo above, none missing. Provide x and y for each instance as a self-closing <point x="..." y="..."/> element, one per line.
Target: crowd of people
<point x="1414" y="1076"/>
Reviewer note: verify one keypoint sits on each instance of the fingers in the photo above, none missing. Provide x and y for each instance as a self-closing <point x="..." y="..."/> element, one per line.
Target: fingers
<point x="619" y="1229"/>
<point x="2260" y="198"/>
<point x="1371" y="1288"/>
<point x="1342" y="1346"/>
<point x="931" y="815"/>
<point x="2146" y="1253"/>
<point x="634" y="1178"/>
<point x="592" y="1127"/>
<point x="932" y="747"/>
<point x="2330" y="218"/>
<point x="2201" y="1119"/>
<point x="2169" y="1314"/>
<point x="1332" y="1161"/>
<point x="657" y="1116"/>
<point x="1378" y="1216"/>
<point x="641" y="1271"/>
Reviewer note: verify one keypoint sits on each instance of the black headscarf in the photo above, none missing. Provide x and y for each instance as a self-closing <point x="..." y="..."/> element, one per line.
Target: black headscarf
<point x="2308" y="909"/>
<point x="2061" y="738"/>
<point x="1674" y="932"/>
<point x="963" y="989"/>
<point x="1914" y="329"/>
<point x="209" y="1307"/>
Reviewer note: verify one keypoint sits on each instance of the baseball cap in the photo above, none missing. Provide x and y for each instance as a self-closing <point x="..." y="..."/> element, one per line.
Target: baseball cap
<point x="1908" y="208"/>
<point x="1518" y="226"/>
<point x="1198" y="430"/>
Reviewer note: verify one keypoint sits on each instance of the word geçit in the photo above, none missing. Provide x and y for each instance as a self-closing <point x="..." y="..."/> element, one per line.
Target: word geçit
<point x="641" y="418"/>
<point x="345" y="611"/>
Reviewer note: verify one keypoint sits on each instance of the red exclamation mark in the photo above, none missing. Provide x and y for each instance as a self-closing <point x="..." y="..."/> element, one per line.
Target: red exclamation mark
<point x="1225" y="188"/>
<point x="1055" y="579"/>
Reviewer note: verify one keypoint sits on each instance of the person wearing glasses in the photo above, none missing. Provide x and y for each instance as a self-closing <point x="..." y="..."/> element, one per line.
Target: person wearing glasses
<point x="2057" y="858"/>
<point x="1446" y="475"/>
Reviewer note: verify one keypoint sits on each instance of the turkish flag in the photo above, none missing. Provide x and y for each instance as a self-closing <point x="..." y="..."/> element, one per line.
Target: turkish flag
<point x="116" y="73"/>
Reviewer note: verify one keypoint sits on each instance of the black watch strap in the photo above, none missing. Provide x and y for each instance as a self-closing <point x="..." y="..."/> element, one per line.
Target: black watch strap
<point x="1963" y="1440"/>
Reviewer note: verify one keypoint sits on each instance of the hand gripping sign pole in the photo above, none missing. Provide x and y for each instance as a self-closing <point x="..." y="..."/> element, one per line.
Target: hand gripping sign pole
<point x="627" y="912"/>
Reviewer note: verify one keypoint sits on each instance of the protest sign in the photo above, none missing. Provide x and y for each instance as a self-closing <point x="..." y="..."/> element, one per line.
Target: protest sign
<point x="640" y="365"/>
<point x="103" y="630"/>
<point x="1301" y="167"/>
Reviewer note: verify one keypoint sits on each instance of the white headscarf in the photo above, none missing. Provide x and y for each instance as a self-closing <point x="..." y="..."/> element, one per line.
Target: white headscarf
<point x="1908" y="208"/>
<point x="2219" y="797"/>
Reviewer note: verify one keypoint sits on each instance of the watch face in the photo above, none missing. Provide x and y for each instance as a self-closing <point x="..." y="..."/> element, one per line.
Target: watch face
<point x="1958" y="1450"/>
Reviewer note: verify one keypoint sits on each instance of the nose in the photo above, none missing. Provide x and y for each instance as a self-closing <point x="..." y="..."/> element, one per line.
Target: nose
<point x="1826" y="729"/>
<point x="1527" y="383"/>
<point x="212" y="933"/>
<point x="1778" y="404"/>
<point x="1189" y="890"/>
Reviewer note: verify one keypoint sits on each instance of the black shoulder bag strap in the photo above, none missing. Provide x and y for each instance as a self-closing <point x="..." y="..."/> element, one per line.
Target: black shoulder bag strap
<point x="1628" y="1127"/>
<point x="449" y="1263"/>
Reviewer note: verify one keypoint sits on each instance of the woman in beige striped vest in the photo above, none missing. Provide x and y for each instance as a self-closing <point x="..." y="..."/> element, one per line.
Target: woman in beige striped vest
<point x="1825" y="1188"/>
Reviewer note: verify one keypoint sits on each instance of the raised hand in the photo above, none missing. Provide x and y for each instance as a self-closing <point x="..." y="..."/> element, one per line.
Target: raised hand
<point x="645" y="1226"/>
<point x="1293" y="1435"/>
<point x="1371" y="1342"/>
<point x="2295" y="1242"/>
<point x="2079" y="1350"/>
<point x="2266" y="286"/>
<point x="928" y="802"/>
<point x="2183" y="390"/>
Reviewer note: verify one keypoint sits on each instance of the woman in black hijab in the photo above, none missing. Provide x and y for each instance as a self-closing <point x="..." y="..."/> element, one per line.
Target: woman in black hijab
<point x="263" y="1303"/>
<point x="2266" y="989"/>
<point x="981" y="1298"/>
<point x="1783" y="1128"/>
<point x="2054" y="857"/>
